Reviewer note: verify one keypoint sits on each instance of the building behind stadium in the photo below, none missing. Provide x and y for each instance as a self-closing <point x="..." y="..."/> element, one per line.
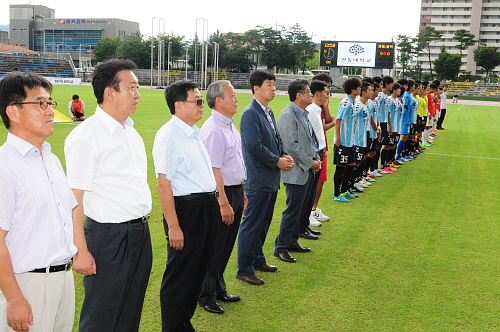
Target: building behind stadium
<point x="35" y="27"/>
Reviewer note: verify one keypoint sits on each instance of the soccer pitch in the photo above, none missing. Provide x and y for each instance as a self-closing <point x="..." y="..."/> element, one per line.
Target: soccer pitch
<point x="417" y="251"/>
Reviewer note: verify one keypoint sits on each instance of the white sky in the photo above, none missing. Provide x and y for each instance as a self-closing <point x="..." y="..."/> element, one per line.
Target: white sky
<point x="361" y="20"/>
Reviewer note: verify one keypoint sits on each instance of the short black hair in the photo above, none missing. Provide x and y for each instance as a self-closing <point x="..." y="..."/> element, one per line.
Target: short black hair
<point x="351" y="84"/>
<point x="295" y="86"/>
<point x="403" y="81"/>
<point x="387" y="80"/>
<point x="257" y="77"/>
<point x="13" y="90"/>
<point x="105" y="75"/>
<point x="317" y="86"/>
<point x="75" y="97"/>
<point x="324" y="77"/>
<point x="178" y="91"/>
<point x="395" y="87"/>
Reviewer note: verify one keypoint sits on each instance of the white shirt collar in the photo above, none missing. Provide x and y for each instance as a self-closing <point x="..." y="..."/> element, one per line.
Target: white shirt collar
<point x="24" y="146"/>
<point x="109" y="121"/>
<point x="188" y="130"/>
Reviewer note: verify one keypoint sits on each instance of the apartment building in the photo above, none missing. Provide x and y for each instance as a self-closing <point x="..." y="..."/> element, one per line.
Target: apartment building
<point x="479" y="17"/>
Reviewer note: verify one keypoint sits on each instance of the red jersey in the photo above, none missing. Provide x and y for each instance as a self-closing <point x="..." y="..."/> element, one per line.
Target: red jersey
<point x="431" y="106"/>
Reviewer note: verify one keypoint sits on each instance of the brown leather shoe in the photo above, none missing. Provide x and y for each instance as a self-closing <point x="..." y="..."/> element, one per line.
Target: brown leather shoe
<point x="252" y="280"/>
<point x="266" y="268"/>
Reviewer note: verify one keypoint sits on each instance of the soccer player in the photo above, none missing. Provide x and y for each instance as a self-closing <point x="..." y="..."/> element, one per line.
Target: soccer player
<point x="361" y="126"/>
<point x="406" y="120"/>
<point x="344" y="159"/>
<point x="391" y="105"/>
<point x="385" y="124"/>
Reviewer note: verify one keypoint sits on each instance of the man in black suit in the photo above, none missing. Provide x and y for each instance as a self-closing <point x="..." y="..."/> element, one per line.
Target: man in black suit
<point x="264" y="156"/>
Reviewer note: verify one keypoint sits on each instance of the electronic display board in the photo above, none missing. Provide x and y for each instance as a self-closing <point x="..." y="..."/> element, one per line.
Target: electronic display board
<point x="357" y="54"/>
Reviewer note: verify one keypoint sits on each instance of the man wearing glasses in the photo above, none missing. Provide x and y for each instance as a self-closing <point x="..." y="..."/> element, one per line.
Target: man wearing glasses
<point x="36" y="230"/>
<point x="188" y="199"/>
<point x="107" y="169"/>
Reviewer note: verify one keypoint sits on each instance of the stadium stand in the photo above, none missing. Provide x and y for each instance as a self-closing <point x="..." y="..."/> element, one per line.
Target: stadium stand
<point x="45" y="67"/>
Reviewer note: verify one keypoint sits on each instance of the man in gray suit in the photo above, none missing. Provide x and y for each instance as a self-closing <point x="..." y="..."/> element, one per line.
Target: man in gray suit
<point x="302" y="145"/>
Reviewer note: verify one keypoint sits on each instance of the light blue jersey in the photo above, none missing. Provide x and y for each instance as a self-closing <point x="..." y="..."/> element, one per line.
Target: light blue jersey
<point x="372" y="112"/>
<point x="382" y="99"/>
<point x="361" y="121"/>
<point x="408" y="110"/>
<point x="346" y="114"/>
<point x="390" y="106"/>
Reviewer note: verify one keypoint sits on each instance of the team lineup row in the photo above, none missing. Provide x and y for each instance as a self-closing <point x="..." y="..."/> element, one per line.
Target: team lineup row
<point x="216" y="187"/>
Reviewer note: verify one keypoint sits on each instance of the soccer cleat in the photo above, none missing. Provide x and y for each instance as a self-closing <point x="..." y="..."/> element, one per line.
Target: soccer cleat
<point x="361" y="184"/>
<point x="318" y="215"/>
<point x="369" y="179"/>
<point x="385" y="171"/>
<point x="392" y="169"/>
<point x="348" y="195"/>
<point x="377" y="173"/>
<point x="395" y="164"/>
<point x="352" y="194"/>
<point x="426" y="144"/>
<point x="370" y="175"/>
<point x="341" y="199"/>
<point x="365" y="182"/>
<point x="359" y="187"/>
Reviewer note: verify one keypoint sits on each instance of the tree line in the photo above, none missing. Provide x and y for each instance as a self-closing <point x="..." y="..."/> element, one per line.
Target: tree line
<point x="447" y="65"/>
<point x="289" y="49"/>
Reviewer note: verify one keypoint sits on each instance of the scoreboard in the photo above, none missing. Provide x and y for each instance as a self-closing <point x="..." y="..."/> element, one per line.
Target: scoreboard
<point x="357" y="54"/>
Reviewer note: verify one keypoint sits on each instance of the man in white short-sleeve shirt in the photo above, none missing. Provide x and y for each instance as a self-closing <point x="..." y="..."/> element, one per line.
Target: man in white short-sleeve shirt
<point x="107" y="170"/>
<point x="36" y="231"/>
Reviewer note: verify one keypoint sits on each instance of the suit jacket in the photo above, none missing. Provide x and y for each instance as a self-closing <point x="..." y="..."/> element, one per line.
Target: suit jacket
<point x="262" y="148"/>
<point x="298" y="142"/>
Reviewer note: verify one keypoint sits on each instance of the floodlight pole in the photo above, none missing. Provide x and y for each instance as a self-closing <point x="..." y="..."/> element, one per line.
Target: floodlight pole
<point x="160" y="47"/>
<point x="152" y="34"/>
<point x="169" y="55"/>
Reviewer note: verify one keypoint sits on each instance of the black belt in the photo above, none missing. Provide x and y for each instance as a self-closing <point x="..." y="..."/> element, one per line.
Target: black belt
<point x="241" y="185"/>
<point x="212" y="194"/>
<point x="55" y="268"/>
<point x="137" y="221"/>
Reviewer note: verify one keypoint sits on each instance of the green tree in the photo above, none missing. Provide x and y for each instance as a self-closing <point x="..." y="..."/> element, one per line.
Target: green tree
<point x="106" y="49"/>
<point x="447" y="66"/>
<point x="425" y="39"/>
<point x="277" y="50"/>
<point x="465" y="39"/>
<point x="487" y="57"/>
<point x="302" y="46"/>
<point x="406" y="52"/>
<point x="136" y="49"/>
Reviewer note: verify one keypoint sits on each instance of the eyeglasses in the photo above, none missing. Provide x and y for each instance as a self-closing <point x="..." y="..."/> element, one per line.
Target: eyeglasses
<point x="199" y="102"/>
<point x="43" y="103"/>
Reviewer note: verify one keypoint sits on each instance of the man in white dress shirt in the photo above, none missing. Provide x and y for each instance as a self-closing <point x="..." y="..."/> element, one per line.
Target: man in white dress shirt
<point x="188" y="199"/>
<point x="36" y="232"/>
<point x="107" y="170"/>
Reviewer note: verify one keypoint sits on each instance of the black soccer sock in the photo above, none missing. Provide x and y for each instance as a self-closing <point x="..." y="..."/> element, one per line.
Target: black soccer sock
<point x="346" y="179"/>
<point x="337" y="180"/>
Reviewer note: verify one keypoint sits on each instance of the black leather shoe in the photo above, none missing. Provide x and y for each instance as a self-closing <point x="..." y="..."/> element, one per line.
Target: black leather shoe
<point x="299" y="248"/>
<point x="214" y="308"/>
<point x="228" y="298"/>
<point x="308" y="235"/>
<point x="266" y="268"/>
<point x="285" y="257"/>
<point x="313" y="231"/>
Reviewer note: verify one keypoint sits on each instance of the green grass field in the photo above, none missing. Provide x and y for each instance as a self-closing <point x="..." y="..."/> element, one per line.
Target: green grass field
<point x="418" y="251"/>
